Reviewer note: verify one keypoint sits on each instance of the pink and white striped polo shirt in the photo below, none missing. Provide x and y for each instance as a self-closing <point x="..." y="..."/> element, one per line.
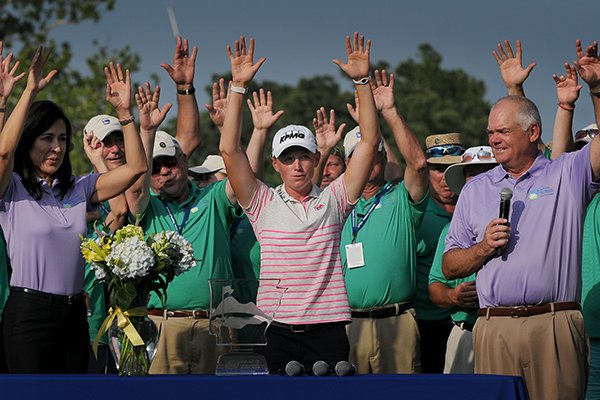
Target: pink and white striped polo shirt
<point x="300" y="247"/>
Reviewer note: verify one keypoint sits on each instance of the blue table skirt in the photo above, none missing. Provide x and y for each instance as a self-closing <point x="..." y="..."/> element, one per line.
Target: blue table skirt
<point x="173" y="387"/>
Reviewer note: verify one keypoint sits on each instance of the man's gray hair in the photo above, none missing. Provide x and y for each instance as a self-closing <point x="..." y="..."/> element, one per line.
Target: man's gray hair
<point x="527" y="113"/>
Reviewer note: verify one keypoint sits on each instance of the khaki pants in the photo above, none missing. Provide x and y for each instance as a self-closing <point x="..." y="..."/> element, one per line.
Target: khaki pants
<point x="185" y="347"/>
<point x="385" y="345"/>
<point x="550" y="351"/>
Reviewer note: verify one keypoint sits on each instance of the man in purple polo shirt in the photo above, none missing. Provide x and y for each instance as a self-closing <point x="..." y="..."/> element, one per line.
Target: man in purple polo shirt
<point x="528" y="269"/>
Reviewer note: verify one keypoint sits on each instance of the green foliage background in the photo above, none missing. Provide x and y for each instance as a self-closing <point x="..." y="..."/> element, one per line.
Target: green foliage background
<point x="431" y="99"/>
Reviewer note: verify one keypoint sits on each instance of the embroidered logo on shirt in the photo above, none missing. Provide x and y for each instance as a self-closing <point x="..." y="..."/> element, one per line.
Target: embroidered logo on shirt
<point x="319" y="206"/>
<point x="541" y="192"/>
<point x="67" y="205"/>
<point x="194" y="210"/>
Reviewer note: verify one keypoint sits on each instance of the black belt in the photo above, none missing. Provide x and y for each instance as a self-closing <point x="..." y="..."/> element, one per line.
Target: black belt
<point x="465" y="326"/>
<point x="383" y="312"/>
<point x="299" y="328"/>
<point x="527" y="311"/>
<point x="56" y="298"/>
<point x="195" y="314"/>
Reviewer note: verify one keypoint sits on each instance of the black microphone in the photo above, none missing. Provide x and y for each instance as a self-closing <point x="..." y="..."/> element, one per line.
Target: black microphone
<point x="505" y="196"/>
<point x="345" y="368"/>
<point x="294" y="368"/>
<point x="321" y="368"/>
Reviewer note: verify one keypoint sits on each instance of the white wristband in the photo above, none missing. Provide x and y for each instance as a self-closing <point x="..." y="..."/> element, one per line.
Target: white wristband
<point x="239" y="89"/>
<point x="362" y="81"/>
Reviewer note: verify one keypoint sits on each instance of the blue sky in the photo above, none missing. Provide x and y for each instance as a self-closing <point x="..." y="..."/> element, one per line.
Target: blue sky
<point x="299" y="39"/>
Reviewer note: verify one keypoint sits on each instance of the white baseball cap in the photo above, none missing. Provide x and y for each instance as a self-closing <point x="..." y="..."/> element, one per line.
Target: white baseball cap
<point x="455" y="173"/>
<point x="352" y="139"/>
<point x="102" y="125"/>
<point x="211" y="164"/>
<point x="293" y="135"/>
<point x="164" y="145"/>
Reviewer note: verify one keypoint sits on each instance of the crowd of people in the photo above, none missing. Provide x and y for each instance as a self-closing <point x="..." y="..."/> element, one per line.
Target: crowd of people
<point x="397" y="268"/>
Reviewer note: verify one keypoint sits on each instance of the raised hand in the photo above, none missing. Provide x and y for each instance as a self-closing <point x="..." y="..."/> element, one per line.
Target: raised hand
<point x="358" y="64"/>
<point x="118" y="87"/>
<point x="182" y="70"/>
<point x="243" y="67"/>
<point x="216" y="110"/>
<point x="35" y="81"/>
<point x="511" y="66"/>
<point x="147" y="101"/>
<point x="326" y="134"/>
<point x="588" y="64"/>
<point x="353" y="109"/>
<point x="262" y="110"/>
<point x="383" y="90"/>
<point x="93" y="150"/>
<point x="7" y="74"/>
<point x="567" y="87"/>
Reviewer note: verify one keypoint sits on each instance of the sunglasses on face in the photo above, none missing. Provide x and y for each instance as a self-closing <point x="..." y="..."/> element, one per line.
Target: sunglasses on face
<point x="445" y="150"/>
<point x="586" y="133"/>
<point x="158" y="163"/>
<point x="481" y="155"/>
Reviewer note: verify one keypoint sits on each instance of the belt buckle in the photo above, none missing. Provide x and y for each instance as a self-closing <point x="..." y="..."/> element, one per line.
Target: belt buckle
<point x="196" y="316"/>
<point x="169" y="313"/>
<point x="514" y="311"/>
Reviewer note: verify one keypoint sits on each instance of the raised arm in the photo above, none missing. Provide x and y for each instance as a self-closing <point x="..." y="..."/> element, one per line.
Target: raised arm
<point x="12" y="130"/>
<point x="218" y="107"/>
<point x="357" y="68"/>
<point x="511" y="68"/>
<point x="8" y="78"/>
<point x="239" y="172"/>
<point x="588" y="67"/>
<point x="188" y="118"/>
<point x="151" y="116"/>
<point x="118" y="94"/>
<point x="327" y="137"/>
<point x="567" y="92"/>
<point x="394" y="172"/>
<point x="416" y="178"/>
<point x="263" y="119"/>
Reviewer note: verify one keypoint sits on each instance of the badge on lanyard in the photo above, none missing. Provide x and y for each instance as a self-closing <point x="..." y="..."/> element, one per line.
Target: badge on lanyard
<point x="355" y="255"/>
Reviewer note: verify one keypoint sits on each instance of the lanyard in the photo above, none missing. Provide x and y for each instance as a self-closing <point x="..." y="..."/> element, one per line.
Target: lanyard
<point x="104" y="208"/>
<point x="356" y="227"/>
<point x="172" y="217"/>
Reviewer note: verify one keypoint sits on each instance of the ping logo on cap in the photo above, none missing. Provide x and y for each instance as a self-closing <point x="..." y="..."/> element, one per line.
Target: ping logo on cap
<point x="291" y="135"/>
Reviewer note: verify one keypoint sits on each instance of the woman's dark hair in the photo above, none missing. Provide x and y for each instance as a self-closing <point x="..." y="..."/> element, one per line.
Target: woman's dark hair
<point x="41" y="116"/>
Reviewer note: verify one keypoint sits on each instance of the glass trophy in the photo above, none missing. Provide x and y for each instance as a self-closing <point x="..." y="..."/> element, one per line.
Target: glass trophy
<point x="237" y="322"/>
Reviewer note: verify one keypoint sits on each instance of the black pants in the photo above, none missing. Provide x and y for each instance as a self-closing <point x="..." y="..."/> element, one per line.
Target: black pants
<point x="328" y="343"/>
<point x="104" y="363"/>
<point x="434" y="337"/>
<point x="45" y="334"/>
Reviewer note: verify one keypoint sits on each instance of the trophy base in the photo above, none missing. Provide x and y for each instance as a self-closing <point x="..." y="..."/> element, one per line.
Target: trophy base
<point x="241" y="363"/>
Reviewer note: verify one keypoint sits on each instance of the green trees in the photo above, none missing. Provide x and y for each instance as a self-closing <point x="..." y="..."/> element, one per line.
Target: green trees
<point x="431" y="99"/>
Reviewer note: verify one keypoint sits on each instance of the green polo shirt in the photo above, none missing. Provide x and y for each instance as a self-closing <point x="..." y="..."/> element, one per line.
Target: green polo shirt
<point x="207" y="228"/>
<point x="468" y="315"/>
<point x="590" y="268"/>
<point x="434" y="221"/>
<point x="245" y="256"/>
<point x="93" y="288"/>
<point x="389" y="240"/>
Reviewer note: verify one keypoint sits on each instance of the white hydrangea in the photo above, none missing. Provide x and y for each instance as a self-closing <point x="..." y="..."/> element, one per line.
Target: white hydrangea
<point x="98" y="271"/>
<point x="179" y="251"/>
<point x="132" y="258"/>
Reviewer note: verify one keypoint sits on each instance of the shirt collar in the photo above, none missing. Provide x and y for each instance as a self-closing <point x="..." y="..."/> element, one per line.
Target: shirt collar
<point x="540" y="162"/>
<point x="314" y="193"/>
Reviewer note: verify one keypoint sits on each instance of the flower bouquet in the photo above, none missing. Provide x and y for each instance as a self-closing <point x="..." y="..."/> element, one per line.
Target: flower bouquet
<point x="132" y="265"/>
